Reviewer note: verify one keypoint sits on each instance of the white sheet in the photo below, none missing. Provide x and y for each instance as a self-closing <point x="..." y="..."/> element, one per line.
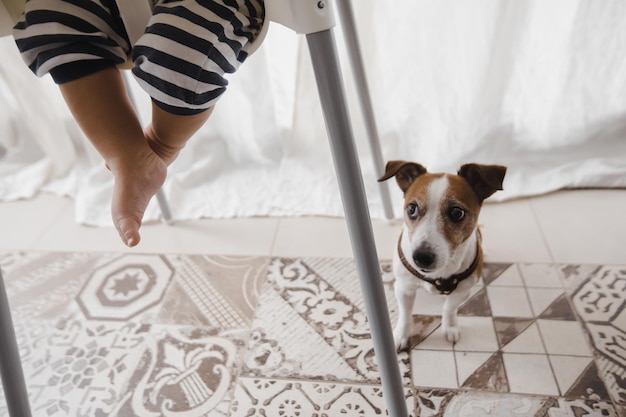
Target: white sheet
<point x="538" y="86"/>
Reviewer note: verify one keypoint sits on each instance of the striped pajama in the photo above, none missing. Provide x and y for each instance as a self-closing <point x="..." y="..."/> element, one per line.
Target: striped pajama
<point x="181" y="59"/>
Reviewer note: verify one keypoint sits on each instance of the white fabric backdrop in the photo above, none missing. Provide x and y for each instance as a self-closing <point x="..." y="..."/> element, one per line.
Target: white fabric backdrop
<point x="539" y="86"/>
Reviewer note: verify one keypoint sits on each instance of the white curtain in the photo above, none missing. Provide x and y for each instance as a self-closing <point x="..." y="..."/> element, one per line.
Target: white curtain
<point x="538" y="86"/>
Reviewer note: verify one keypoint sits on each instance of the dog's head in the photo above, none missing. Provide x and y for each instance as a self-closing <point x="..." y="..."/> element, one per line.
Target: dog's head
<point x="441" y="210"/>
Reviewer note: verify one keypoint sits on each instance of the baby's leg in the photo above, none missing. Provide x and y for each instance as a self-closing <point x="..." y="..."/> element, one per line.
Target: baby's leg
<point x="182" y="66"/>
<point x="101" y="107"/>
<point x="168" y="133"/>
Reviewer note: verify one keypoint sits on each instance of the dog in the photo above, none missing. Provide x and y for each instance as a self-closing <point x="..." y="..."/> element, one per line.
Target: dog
<point x="439" y="247"/>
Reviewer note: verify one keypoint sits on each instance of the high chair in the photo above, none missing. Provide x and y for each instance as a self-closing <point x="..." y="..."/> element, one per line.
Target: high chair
<point x="315" y="20"/>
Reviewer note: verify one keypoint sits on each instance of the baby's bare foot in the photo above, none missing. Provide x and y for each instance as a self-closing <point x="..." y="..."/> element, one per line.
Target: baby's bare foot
<point x="136" y="181"/>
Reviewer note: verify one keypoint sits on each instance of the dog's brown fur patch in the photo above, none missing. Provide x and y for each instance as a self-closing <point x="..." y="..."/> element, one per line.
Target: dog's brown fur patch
<point x="417" y="193"/>
<point x="459" y="194"/>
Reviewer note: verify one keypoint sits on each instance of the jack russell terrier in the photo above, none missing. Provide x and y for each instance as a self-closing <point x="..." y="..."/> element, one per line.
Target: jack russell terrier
<point x="440" y="244"/>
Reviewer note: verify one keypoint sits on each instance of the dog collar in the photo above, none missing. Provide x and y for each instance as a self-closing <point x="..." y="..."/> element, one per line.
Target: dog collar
<point x="444" y="285"/>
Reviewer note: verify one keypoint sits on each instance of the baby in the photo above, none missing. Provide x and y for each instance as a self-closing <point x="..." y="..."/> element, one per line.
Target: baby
<point x="180" y="61"/>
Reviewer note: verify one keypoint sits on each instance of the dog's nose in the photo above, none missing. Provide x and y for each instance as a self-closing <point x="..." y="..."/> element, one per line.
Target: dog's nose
<point x="424" y="258"/>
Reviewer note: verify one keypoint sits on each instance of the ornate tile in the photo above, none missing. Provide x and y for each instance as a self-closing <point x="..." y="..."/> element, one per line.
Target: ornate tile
<point x="181" y="371"/>
<point x="125" y="287"/>
<point x="310" y="324"/>
<point x="477" y="405"/>
<point x="103" y="356"/>
<point x="213" y="336"/>
<point x="580" y="407"/>
<point x="599" y="300"/>
<point x="576" y="275"/>
<point x="79" y="368"/>
<point x="75" y="367"/>
<point x="448" y="403"/>
<point x="44" y="285"/>
<point x="270" y="397"/>
<point x="214" y="291"/>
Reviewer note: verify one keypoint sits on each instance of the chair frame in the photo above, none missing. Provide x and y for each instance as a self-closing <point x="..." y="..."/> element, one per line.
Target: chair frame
<point x="11" y="371"/>
<point x="314" y="19"/>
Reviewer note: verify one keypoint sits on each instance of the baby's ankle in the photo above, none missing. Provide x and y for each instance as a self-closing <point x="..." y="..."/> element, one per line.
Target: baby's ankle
<point x="167" y="152"/>
<point x="133" y="160"/>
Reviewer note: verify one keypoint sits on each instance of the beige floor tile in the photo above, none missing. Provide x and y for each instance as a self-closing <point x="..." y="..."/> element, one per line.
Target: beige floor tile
<point x="220" y="237"/>
<point x="529" y="374"/>
<point x="23" y="222"/>
<point x="542" y="298"/>
<point x="511" y="233"/>
<point x="509" y="278"/>
<point x="312" y="236"/>
<point x="509" y="302"/>
<point x="584" y="226"/>
<point x="468" y="362"/>
<point x="541" y="275"/>
<point x="477" y="335"/>
<point x="567" y="369"/>
<point x="529" y="341"/>
<point x="433" y="369"/>
<point x="564" y="338"/>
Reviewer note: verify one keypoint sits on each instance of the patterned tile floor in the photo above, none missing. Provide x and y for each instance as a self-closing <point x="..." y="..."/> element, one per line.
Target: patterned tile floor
<point x="193" y="335"/>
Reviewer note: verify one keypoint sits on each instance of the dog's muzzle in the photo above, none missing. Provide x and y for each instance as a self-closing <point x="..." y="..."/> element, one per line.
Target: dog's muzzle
<point x="445" y="286"/>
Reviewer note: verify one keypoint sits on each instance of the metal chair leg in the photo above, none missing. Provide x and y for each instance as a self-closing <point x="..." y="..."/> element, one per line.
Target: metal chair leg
<point x="346" y="16"/>
<point x="11" y="371"/>
<point x="331" y="90"/>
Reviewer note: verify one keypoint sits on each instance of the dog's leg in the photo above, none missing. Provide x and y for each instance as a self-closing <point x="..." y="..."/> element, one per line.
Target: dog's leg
<point x="405" y="296"/>
<point x="449" y="317"/>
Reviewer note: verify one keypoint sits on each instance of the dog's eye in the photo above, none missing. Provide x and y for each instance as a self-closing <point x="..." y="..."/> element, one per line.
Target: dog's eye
<point x="456" y="214"/>
<point x="412" y="211"/>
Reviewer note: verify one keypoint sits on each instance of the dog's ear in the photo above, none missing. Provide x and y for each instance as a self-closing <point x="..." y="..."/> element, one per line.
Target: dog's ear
<point x="484" y="179"/>
<point x="405" y="173"/>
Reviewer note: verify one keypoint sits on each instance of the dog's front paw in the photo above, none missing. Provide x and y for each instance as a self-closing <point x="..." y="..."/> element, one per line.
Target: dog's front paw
<point x="452" y="333"/>
<point x="401" y="338"/>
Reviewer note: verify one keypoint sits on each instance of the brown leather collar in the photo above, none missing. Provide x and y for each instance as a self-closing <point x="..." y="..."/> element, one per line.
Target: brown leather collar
<point x="443" y="285"/>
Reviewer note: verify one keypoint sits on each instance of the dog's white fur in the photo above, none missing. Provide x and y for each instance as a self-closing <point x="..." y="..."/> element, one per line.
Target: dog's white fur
<point x="448" y="263"/>
<point x="449" y="259"/>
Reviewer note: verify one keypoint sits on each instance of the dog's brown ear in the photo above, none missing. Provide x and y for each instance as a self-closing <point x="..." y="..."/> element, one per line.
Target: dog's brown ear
<point x="405" y="173"/>
<point x="484" y="179"/>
